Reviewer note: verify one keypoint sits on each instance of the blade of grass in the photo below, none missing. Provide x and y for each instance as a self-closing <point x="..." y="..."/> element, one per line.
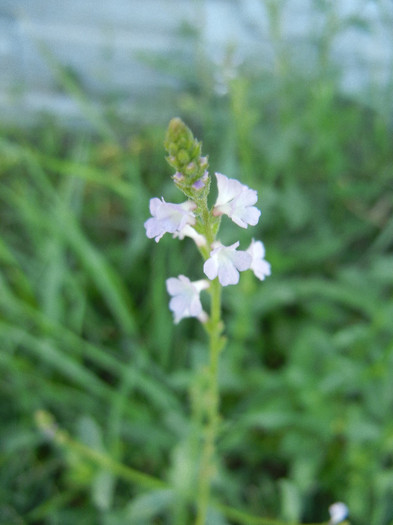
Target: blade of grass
<point x="157" y="392"/>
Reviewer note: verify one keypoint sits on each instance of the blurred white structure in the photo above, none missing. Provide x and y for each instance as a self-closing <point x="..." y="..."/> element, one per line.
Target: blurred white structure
<point x="100" y="44"/>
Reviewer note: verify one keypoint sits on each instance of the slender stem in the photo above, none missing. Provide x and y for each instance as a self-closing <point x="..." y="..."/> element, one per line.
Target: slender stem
<point x="47" y="424"/>
<point x="207" y="465"/>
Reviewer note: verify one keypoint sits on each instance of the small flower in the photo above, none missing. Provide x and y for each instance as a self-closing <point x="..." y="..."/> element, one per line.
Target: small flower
<point x="236" y="200"/>
<point x="178" y="177"/>
<point x="203" y="162"/>
<point x="168" y="217"/>
<point x="200" y="183"/>
<point x="338" y="512"/>
<point x="226" y="262"/>
<point x="185" y="300"/>
<point x="259" y="266"/>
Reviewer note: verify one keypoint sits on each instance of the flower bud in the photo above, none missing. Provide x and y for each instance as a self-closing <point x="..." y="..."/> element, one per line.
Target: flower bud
<point x="184" y="155"/>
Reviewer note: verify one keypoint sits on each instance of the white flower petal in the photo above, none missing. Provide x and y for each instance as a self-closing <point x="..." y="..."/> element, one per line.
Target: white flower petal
<point x="227" y="273"/>
<point x="175" y="285"/>
<point x="259" y="265"/>
<point x="226" y="262"/>
<point x="228" y="189"/>
<point x="236" y="200"/>
<point x="189" y="231"/>
<point x="168" y="217"/>
<point x="210" y="268"/>
<point x="185" y="301"/>
<point x="242" y="260"/>
<point x="338" y="512"/>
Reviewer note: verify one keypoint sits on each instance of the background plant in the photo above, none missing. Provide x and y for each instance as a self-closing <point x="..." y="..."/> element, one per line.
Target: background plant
<point x="86" y="333"/>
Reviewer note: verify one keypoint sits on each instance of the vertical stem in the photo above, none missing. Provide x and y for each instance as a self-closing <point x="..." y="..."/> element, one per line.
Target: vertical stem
<point x="211" y="402"/>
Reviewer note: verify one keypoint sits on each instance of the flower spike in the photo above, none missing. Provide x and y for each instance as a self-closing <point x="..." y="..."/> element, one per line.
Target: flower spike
<point x="195" y="219"/>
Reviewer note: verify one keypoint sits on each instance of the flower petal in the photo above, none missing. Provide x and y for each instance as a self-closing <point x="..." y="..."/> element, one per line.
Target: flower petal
<point x="236" y="200"/>
<point x="168" y="217"/>
<point x="185" y="301"/>
<point x="227" y="273"/>
<point x="338" y="512"/>
<point x="259" y="265"/>
<point x="226" y="262"/>
<point x="210" y="268"/>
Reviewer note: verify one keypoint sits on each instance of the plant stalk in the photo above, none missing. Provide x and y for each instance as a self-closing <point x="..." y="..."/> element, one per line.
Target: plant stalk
<point x="211" y="405"/>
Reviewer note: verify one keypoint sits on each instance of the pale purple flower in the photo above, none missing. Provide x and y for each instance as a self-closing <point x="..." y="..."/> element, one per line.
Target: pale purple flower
<point x="236" y="200"/>
<point x="178" y="177"/>
<point x="226" y="263"/>
<point x="259" y="265"/>
<point x="338" y="512"/>
<point x="201" y="183"/>
<point x="168" y="217"/>
<point x="185" y="301"/>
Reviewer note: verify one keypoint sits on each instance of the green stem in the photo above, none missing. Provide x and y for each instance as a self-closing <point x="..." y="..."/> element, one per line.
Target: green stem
<point x="47" y="424"/>
<point x="211" y="400"/>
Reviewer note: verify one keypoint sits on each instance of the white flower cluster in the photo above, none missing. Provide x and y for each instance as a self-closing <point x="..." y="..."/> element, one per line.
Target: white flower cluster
<point x="235" y="200"/>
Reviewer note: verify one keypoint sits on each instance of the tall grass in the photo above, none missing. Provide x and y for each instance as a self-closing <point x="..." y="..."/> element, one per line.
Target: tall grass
<point x="86" y="333"/>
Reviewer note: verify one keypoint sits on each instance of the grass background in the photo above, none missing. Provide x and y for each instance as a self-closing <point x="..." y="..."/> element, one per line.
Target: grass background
<point x="86" y="333"/>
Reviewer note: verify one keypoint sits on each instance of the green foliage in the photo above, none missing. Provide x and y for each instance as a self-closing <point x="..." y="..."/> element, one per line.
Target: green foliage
<point x="86" y="333"/>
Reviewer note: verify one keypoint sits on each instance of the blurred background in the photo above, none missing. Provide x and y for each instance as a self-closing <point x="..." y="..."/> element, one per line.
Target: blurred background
<point x="112" y="51"/>
<point x="293" y="98"/>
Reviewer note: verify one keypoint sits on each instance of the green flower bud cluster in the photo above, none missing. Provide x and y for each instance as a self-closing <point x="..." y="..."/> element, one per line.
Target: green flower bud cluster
<point x="185" y="156"/>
